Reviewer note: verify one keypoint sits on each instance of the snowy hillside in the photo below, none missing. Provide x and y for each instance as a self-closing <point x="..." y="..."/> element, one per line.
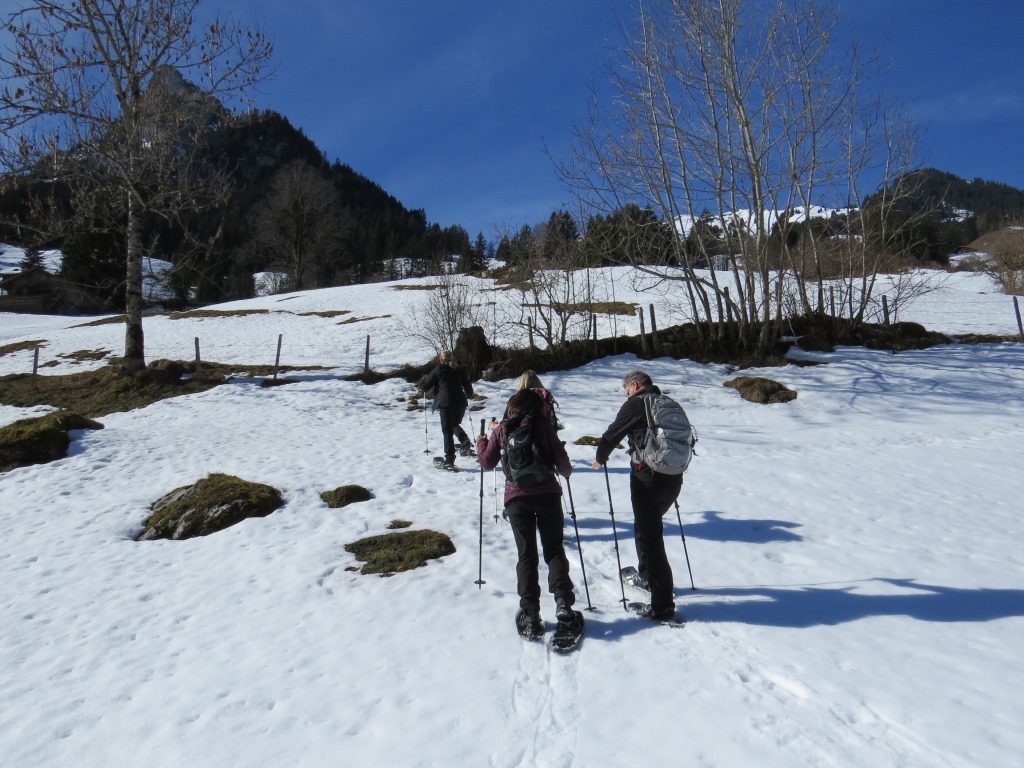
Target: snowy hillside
<point x="748" y="221"/>
<point x="856" y="554"/>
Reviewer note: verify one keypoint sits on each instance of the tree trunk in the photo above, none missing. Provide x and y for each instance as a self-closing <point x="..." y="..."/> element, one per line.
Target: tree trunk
<point x="134" y="355"/>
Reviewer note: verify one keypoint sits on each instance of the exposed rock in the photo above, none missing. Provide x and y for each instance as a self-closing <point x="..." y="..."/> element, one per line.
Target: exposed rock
<point x="214" y="503"/>
<point x="757" y="389"/>
<point x="473" y="351"/>
<point x="345" y="495"/>
<point x="40" y="439"/>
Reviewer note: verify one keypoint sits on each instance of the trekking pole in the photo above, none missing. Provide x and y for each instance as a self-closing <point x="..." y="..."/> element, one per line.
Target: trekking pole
<point x="579" y="547"/>
<point x="611" y="511"/>
<point x="495" y="473"/>
<point x="480" y="578"/>
<point x="426" y="431"/>
<point x="679" y="517"/>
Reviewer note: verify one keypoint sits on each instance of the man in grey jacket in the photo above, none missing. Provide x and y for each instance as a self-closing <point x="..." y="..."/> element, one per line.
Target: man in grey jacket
<point x="652" y="494"/>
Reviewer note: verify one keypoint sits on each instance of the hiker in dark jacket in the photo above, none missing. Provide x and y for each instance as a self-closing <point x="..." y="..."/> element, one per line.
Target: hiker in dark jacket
<point x="451" y="399"/>
<point x="534" y="509"/>
<point x="652" y="494"/>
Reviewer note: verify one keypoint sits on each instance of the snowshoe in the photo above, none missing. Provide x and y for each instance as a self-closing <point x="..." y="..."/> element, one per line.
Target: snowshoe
<point x="440" y="463"/>
<point x="568" y="633"/>
<point x="645" y="611"/>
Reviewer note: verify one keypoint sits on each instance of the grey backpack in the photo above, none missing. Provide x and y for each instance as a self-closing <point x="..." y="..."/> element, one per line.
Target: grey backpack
<point x="668" y="445"/>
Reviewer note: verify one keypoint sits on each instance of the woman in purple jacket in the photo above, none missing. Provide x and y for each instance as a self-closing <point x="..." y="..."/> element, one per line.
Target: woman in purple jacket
<point x="534" y="509"/>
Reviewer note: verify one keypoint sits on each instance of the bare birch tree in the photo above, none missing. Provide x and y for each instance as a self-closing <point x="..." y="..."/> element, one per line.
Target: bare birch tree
<point x="743" y="108"/>
<point x="118" y="95"/>
<point x="450" y="306"/>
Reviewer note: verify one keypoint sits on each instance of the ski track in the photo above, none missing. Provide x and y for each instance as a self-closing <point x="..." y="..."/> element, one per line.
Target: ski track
<point x="531" y="691"/>
<point x="557" y="747"/>
<point x="544" y="715"/>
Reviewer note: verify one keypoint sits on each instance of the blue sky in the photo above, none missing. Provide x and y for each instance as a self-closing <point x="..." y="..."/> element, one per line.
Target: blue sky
<point x="449" y="106"/>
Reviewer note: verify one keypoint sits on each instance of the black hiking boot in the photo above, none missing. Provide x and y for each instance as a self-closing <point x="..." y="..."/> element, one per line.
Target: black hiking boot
<point x="529" y="624"/>
<point x="632" y="578"/>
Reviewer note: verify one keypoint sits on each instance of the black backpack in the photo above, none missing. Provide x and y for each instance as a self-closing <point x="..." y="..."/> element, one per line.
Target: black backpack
<point x="524" y="462"/>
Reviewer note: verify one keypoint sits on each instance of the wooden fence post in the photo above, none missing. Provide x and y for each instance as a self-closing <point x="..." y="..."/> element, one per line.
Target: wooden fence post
<point x="643" y="332"/>
<point x="35" y="363"/>
<point x="366" y="362"/>
<point x="885" y="309"/>
<point x="832" y="300"/>
<point x="277" y="360"/>
<point x="593" y="332"/>
<point x="1016" y="309"/>
<point x="655" y="341"/>
<point x="198" y="360"/>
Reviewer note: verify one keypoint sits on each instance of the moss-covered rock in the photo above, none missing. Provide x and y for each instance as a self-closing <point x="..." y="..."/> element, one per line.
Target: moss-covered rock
<point x="214" y="503"/>
<point x="591" y="440"/>
<point x="400" y="551"/>
<point x="758" y="389"/>
<point x="345" y="495"/>
<point x="40" y="439"/>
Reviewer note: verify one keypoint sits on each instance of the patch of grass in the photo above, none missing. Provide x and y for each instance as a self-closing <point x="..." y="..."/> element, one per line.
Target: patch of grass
<point x="758" y="389"/>
<point x="598" y="307"/>
<point x="40" y="439"/>
<point x="987" y="338"/>
<point x="401" y="551"/>
<point x="416" y="287"/>
<point x="201" y="313"/>
<point x="214" y="503"/>
<point x="411" y="373"/>
<point x="105" y="390"/>
<point x="83" y="355"/>
<point x="20" y="346"/>
<point x="612" y="308"/>
<point x="114" y="319"/>
<point x="399" y="524"/>
<point x="108" y="390"/>
<point x="351" y="320"/>
<point x="345" y="495"/>
<point x="326" y="313"/>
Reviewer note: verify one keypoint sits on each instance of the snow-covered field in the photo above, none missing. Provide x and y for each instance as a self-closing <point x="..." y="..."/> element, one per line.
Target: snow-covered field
<point x="857" y="552"/>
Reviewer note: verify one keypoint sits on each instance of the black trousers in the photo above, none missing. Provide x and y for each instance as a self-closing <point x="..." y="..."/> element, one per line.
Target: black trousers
<point x="652" y="495"/>
<point x="528" y="516"/>
<point x="451" y="419"/>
